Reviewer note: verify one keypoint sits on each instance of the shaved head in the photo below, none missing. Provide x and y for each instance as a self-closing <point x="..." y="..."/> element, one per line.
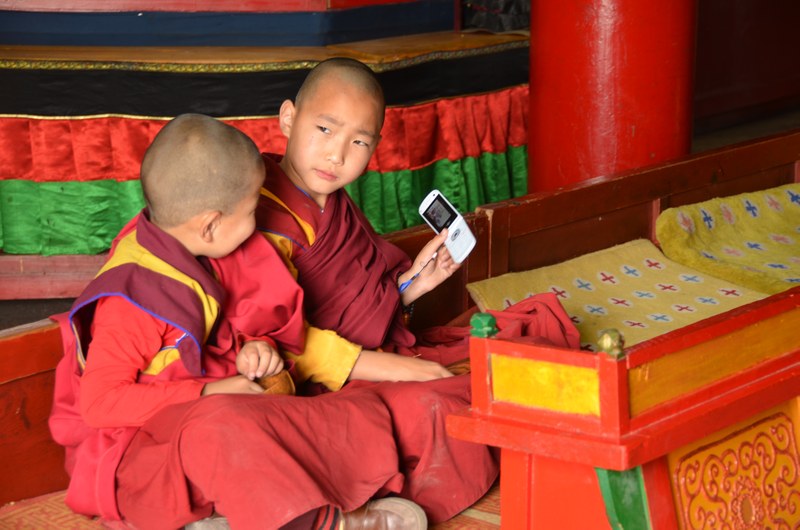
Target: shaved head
<point x="351" y="71"/>
<point x="196" y="164"/>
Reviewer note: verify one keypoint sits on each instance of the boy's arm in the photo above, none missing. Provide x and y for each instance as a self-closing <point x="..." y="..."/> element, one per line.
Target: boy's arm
<point x="125" y="339"/>
<point x="432" y="266"/>
<point x="332" y="360"/>
<point x="327" y="358"/>
<point x="386" y="366"/>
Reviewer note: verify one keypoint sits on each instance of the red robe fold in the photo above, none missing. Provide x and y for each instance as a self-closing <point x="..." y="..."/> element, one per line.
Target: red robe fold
<point x="261" y="461"/>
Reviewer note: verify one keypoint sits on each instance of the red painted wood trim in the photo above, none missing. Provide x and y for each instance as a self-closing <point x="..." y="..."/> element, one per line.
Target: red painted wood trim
<point x="35" y="277"/>
<point x="614" y="395"/>
<point x="499" y="238"/>
<point x="554" y="443"/>
<point x="660" y="501"/>
<point x="655" y="211"/>
<point x="30" y="461"/>
<point x="29" y="349"/>
<point x="28" y="356"/>
<point x="538" y="352"/>
<point x="516" y="489"/>
<point x="479" y="375"/>
<point x="548" y="418"/>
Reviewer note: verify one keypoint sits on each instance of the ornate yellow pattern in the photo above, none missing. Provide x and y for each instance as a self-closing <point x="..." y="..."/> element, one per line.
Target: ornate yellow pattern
<point x="746" y="480"/>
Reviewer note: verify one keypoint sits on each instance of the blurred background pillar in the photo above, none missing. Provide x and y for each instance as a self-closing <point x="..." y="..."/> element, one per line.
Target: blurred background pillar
<point x="610" y="87"/>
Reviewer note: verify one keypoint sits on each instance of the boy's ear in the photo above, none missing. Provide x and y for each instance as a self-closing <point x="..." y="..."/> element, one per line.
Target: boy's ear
<point x="209" y="221"/>
<point x="286" y="117"/>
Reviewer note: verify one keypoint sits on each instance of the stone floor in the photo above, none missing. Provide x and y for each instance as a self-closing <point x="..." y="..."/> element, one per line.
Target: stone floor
<point x="16" y="312"/>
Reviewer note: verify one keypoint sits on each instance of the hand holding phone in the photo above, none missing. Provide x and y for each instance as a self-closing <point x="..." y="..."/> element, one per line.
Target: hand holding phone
<point x="440" y="214"/>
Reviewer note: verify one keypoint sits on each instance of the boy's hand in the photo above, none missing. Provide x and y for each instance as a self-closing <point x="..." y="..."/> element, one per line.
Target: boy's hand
<point x="432" y="273"/>
<point x="257" y="358"/>
<point x="382" y="366"/>
<point x="238" y="384"/>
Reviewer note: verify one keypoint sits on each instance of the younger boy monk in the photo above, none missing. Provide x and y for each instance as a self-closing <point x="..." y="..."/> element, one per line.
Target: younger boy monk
<point x="155" y="400"/>
<point x="351" y="279"/>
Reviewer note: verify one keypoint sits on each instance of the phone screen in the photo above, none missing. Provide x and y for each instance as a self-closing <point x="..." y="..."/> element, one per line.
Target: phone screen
<point x="439" y="214"/>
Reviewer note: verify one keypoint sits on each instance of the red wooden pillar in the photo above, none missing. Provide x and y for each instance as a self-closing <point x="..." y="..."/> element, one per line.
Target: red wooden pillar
<point x="611" y="87"/>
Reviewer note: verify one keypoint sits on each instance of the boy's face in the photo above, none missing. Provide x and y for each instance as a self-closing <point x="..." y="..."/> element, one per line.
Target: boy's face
<point x="331" y="137"/>
<point x="234" y="228"/>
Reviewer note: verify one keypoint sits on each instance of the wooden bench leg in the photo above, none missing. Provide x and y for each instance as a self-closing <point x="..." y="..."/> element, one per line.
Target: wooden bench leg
<point x="539" y="493"/>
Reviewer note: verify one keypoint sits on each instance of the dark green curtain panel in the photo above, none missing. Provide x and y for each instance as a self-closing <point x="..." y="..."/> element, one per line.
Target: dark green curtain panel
<point x="390" y="200"/>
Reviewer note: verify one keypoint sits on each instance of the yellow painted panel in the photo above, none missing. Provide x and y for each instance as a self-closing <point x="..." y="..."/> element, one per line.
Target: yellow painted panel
<point x="688" y="370"/>
<point x="545" y="385"/>
<point x="744" y="476"/>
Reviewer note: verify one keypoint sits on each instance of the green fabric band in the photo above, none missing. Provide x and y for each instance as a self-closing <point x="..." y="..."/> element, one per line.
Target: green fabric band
<point x="51" y="218"/>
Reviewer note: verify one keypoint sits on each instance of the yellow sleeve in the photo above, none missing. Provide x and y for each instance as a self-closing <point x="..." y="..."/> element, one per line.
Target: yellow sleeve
<point x="284" y="247"/>
<point x="327" y="358"/>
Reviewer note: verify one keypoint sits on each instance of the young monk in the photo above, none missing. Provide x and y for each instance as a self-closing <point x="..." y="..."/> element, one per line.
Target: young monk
<point x="351" y="279"/>
<point x="155" y="400"/>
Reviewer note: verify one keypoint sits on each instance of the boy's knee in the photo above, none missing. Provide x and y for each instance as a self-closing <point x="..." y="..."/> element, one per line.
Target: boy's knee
<point x="219" y="416"/>
<point x="423" y="400"/>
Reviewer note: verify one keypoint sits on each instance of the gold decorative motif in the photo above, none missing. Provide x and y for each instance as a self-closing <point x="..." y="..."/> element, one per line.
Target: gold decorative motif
<point x="748" y="480"/>
<point x="244" y="67"/>
<point x="148" y="66"/>
<point x="747" y="506"/>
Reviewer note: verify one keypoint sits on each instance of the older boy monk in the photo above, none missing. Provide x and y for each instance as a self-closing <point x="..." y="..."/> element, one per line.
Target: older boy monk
<point x="155" y="399"/>
<point x="351" y="278"/>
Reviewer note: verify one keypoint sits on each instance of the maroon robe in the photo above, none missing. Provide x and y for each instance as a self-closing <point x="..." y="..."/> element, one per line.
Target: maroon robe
<point x="349" y="277"/>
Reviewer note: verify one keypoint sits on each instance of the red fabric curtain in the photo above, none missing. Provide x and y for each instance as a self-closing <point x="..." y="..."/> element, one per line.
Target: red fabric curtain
<point x="43" y="149"/>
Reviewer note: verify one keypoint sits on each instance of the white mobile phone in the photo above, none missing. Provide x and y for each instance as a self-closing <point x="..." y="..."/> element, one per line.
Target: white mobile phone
<point x="440" y="214"/>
